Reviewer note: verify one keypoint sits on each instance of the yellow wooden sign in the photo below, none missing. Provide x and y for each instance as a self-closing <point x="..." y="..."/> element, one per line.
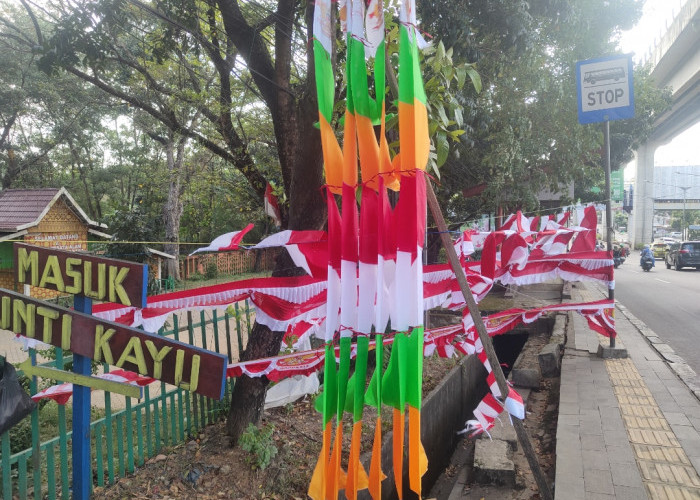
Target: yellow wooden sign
<point x="133" y="391"/>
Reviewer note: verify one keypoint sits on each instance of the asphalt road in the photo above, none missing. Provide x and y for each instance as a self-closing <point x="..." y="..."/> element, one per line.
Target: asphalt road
<point x="668" y="301"/>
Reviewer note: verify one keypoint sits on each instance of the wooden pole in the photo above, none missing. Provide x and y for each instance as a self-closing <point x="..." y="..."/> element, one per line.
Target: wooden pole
<point x="523" y="438"/>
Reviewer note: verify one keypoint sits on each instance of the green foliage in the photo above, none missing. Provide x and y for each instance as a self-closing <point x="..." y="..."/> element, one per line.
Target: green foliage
<point x="521" y="132"/>
<point x="132" y="230"/>
<point x="444" y="80"/>
<point x="21" y="435"/>
<point x="211" y="271"/>
<point x="259" y="444"/>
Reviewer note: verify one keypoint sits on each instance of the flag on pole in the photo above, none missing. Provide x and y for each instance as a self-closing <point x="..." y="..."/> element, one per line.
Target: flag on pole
<point x="308" y="249"/>
<point x="272" y="207"/>
<point x="514" y="404"/>
<point x="225" y="242"/>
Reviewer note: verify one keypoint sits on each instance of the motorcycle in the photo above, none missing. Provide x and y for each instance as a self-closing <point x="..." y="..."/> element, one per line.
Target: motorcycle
<point x="647" y="262"/>
<point x="618" y="259"/>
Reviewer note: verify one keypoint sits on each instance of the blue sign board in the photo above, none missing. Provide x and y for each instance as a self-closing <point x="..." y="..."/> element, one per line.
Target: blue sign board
<point x="605" y="89"/>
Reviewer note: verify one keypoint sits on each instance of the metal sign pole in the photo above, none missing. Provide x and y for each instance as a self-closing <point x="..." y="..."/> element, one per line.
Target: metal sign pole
<point x="608" y="207"/>
<point x="82" y="477"/>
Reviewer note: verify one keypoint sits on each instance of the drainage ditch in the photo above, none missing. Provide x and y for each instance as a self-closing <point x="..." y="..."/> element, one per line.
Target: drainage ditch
<point x="459" y="478"/>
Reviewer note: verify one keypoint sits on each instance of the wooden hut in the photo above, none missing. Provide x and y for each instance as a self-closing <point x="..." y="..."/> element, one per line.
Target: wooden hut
<point x="48" y="217"/>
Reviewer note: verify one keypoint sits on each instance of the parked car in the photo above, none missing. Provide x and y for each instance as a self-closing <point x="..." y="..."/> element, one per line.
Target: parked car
<point x="685" y="254"/>
<point x="659" y="249"/>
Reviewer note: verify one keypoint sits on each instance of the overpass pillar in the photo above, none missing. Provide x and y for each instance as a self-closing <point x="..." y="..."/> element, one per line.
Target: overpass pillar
<point x="643" y="204"/>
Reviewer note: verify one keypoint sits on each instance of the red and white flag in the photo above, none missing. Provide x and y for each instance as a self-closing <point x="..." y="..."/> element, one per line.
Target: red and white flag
<point x="514" y="251"/>
<point x="308" y="249"/>
<point x="516" y="222"/>
<point x="487" y="411"/>
<point x="272" y="208"/>
<point x="563" y="217"/>
<point x="464" y="245"/>
<point x="515" y="405"/>
<point x="585" y="241"/>
<point x="225" y="242"/>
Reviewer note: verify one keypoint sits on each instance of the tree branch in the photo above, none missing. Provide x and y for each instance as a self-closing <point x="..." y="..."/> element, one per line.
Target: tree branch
<point x="253" y="50"/>
<point x="237" y="155"/>
<point x="37" y="29"/>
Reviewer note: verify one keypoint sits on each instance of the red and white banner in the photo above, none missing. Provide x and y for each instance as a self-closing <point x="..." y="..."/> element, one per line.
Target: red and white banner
<point x="493" y="385"/>
<point x="306" y="362"/>
<point x="445" y="341"/>
<point x="580" y="266"/>
<point x="279" y="302"/>
<point x="599" y="315"/>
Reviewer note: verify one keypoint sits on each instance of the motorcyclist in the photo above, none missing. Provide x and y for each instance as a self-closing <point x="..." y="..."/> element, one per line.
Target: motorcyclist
<point x="646" y="252"/>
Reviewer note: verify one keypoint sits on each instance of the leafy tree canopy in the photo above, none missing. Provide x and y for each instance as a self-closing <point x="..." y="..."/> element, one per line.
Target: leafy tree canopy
<point x="522" y="133"/>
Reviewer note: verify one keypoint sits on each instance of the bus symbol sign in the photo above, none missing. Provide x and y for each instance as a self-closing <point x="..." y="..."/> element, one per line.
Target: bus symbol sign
<point x="605" y="89"/>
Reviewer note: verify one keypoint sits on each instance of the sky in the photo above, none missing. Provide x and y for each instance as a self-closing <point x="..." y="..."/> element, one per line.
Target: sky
<point x="683" y="149"/>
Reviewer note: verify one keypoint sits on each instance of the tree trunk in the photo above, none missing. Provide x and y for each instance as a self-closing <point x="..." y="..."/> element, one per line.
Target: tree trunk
<point x="248" y="398"/>
<point x="300" y="156"/>
<point x="172" y="210"/>
<point x="306" y="211"/>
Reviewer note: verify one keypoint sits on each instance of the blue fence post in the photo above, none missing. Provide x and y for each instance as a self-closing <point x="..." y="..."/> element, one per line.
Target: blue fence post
<point x="82" y="478"/>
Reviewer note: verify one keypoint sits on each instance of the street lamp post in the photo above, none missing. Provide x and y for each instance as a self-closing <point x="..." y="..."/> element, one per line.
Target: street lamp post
<point x="684" y="227"/>
<point x="685" y="191"/>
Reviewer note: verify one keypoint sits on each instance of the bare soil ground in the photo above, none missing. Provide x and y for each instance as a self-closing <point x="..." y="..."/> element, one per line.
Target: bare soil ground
<point x="206" y="467"/>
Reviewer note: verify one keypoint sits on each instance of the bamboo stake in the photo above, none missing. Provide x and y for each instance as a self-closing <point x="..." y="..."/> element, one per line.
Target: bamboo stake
<point x="523" y="438"/>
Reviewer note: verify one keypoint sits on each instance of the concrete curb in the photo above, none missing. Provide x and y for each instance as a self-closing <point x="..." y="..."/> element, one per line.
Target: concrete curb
<point x="550" y="356"/>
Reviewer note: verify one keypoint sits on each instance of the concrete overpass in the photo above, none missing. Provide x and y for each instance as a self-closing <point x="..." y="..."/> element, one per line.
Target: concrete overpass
<point x="676" y="63"/>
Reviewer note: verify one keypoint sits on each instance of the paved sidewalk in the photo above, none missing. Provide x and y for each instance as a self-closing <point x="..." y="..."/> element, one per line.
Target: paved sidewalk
<point x="628" y="428"/>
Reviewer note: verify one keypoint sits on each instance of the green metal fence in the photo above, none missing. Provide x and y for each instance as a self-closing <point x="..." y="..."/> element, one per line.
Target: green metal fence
<point x="125" y="438"/>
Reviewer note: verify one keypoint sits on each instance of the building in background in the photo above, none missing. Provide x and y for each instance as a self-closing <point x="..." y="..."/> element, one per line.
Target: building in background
<point x="47" y="217"/>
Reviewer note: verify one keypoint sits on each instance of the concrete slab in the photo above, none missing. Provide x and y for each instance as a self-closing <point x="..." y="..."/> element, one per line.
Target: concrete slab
<point x="491" y="463"/>
<point x="503" y="431"/>
<point x="607" y="352"/>
<point x="549" y="359"/>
